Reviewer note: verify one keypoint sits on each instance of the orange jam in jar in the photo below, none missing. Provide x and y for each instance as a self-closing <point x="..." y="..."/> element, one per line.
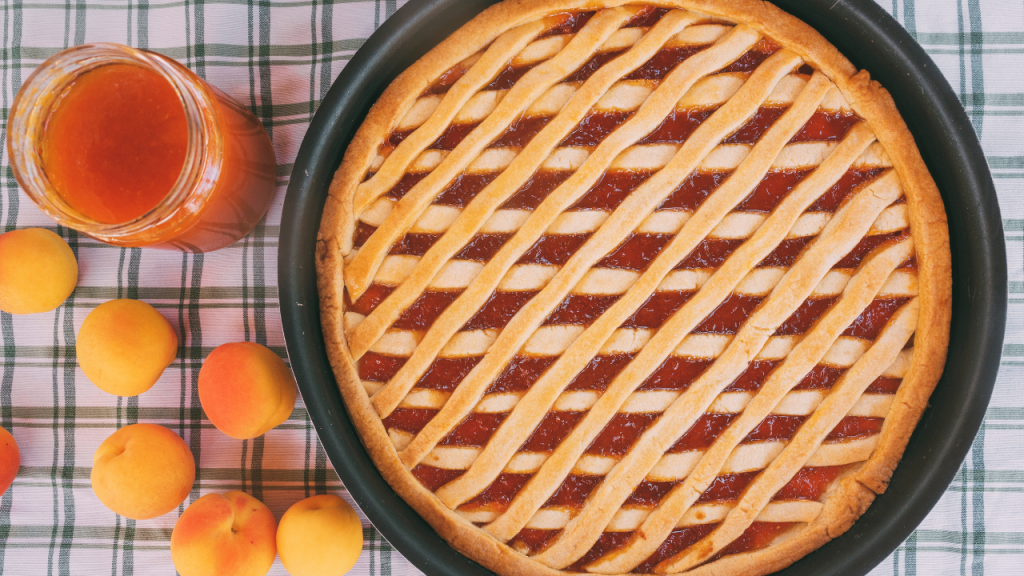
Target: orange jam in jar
<point x="133" y="149"/>
<point x="114" y="144"/>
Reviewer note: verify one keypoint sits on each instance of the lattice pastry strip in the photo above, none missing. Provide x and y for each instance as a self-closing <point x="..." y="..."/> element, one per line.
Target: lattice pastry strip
<point x="535" y="80"/>
<point x="494" y="194"/>
<point x="483" y="70"/>
<point x="542" y="395"/>
<point x="797" y="403"/>
<point x="622" y="98"/>
<point x="859" y="293"/>
<point x="625" y="218"/>
<point x="841" y="235"/>
<point x="623" y="95"/>
<point x="529" y="317"/>
<point x="532" y="85"/>
<point x="845" y="393"/>
<point x="681" y="323"/>
<point x="635" y="288"/>
<point x="457" y="274"/>
<point x="645" y="120"/>
<point x="672" y="467"/>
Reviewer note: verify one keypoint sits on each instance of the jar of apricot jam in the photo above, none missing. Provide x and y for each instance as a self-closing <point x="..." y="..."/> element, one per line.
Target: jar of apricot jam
<point x="134" y="149"/>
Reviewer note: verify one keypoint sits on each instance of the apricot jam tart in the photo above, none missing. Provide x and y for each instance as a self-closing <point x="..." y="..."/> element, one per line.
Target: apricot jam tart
<point x="648" y="288"/>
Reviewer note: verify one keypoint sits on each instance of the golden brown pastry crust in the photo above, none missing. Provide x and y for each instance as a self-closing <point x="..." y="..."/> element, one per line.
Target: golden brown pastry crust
<point x="850" y="496"/>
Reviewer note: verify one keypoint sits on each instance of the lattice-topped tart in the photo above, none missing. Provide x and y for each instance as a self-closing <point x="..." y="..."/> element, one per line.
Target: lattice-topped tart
<point x="651" y="287"/>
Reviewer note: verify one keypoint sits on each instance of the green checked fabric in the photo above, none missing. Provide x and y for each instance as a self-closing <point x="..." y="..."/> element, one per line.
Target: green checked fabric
<point x="279" y="58"/>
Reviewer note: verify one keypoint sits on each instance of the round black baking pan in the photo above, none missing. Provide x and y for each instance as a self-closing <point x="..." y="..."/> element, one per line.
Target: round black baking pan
<point x="874" y="41"/>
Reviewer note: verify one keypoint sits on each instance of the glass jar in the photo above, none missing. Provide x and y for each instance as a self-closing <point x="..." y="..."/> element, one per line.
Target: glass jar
<point x="227" y="179"/>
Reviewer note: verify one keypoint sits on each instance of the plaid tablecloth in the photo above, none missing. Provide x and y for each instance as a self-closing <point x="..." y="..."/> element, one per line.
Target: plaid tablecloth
<point x="279" y="58"/>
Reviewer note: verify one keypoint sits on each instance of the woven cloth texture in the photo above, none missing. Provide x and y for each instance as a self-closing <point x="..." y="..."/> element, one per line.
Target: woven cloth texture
<point x="279" y="58"/>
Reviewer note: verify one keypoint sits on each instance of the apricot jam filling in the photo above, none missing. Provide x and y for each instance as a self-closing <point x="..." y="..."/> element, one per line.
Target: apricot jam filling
<point x="823" y="126"/>
<point x="623" y="430"/>
<point x="676" y="373"/>
<point x="583" y="309"/>
<point x="809" y="484"/>
<point x="608" y="193"/>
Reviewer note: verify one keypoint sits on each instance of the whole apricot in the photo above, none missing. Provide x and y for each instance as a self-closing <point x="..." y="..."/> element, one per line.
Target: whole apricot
<point x="143" y="471"/>
<point x="10" y="459"/>
<point x="124" y="346"/>
<point x="38" y="271"/>
<point x="246" y="389"/>
<point x="229" y="535"/>
<point x="319" y="536"/>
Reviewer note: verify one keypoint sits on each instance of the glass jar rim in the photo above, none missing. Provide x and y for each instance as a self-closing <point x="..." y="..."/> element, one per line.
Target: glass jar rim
<point x="42" y="90"/>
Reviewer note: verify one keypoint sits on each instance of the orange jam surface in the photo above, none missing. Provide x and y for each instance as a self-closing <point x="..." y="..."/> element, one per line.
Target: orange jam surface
<point x="115" y="142"/>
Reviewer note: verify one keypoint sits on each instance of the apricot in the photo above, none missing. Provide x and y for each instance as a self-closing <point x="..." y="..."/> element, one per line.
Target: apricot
<point x="38" y="271"/>
<point x="319" y="536"/>
<point x="143" y="471"/>
<point x="229" y="535"/>
<point x="246" y="389"/>
<point x="124" y="346"/>
<point x="10" y="459"/>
